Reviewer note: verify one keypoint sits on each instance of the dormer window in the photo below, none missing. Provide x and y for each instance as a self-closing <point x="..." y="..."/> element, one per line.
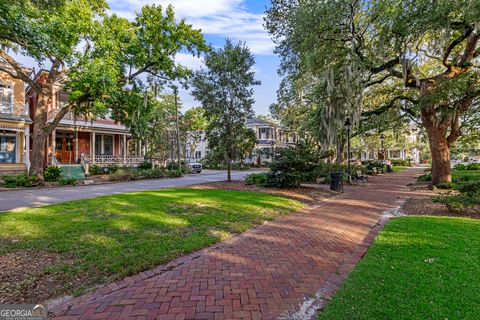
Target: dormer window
<point x="6" y="98"/>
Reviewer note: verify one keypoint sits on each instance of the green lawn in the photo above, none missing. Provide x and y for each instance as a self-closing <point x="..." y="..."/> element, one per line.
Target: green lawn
<point x="399" y="168"/>
<point x="417" y="268"/>
<point x="465" y="175"/>
<point x="110" y="237"/>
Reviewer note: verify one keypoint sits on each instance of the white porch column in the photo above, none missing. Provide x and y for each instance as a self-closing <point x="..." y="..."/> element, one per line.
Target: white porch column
<point x="76" y="146"/>
<point x="27" y="147"/>
<point x="125" y="149"/>
<point x="53" y="142"/>
<point x="92" y="137"/>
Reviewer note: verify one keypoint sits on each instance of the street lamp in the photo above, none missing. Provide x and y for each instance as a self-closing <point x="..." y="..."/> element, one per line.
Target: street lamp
<point x="348" y="126"/>
<point x="382" y="139"/>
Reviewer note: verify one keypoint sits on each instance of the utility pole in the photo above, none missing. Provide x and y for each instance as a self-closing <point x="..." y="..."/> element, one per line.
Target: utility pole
<point x="175" y="92"/>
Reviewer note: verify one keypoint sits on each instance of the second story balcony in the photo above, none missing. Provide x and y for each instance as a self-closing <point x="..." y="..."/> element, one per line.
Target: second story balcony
<point x="71" y="119"/>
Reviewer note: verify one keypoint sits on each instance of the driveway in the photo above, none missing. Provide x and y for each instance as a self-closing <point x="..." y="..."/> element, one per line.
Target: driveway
<point x="16" y="199"/>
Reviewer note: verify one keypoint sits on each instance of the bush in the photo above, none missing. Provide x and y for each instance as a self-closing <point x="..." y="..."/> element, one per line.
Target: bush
<point x="95" y="170"/>
<point x="20" y="180"/>
<point x="241" y="166"/>
<point x="258" y="179"/>
<point x="292" y="166"/>
<point x="402" y="163"/>
<point x="447" y="185"/>
<point x="425" y="177"/>
<point x="52" y="174"/>
<point x="469" y="196"/>
<point x="145" y="165"/>
<point x="468" y="167"/>
<point x="67" y="181"/>
<point x="122" y="175"/>
<point x="173" y="173"/>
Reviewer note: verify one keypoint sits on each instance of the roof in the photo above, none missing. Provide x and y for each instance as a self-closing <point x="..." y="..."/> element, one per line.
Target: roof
<point x="259" y="121"/>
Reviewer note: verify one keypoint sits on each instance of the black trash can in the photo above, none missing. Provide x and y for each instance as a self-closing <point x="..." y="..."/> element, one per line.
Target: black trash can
<point x="389" y="168"/>
<point x="336" y="181"/>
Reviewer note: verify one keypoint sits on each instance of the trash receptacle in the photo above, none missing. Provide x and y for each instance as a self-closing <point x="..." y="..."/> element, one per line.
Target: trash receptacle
<point x="336" y="181"/>
<point x="389" y="168"/>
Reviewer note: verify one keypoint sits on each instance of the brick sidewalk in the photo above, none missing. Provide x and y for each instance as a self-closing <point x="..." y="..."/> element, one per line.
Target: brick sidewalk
<point x="270" y="272"/>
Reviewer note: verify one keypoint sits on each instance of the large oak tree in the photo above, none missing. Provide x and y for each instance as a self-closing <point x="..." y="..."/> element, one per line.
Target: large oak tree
<point x="95" y="56"/>
<point x="421" y="56"/>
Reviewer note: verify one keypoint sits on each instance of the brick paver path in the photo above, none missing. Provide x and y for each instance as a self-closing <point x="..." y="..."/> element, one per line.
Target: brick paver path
<point x="266" y="273"/>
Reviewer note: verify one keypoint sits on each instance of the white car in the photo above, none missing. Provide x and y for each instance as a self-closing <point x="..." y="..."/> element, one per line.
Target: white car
<point x="196" y="167"/>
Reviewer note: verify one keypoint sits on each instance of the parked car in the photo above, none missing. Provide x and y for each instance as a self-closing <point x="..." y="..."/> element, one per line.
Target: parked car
<point x="196" y="167"/>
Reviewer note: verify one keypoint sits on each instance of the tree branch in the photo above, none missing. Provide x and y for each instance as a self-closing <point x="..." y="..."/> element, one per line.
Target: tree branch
<point x="388" y="106"/>
<point x="457" y="41"/>
<point x="19" y="73"/>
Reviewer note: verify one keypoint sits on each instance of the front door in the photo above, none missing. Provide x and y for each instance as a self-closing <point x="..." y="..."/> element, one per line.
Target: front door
<point x="64" y="146"/>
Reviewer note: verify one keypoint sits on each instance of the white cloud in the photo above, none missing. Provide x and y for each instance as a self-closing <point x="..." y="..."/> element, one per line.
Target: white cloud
<point x="227" y="18"/>
<point x="189" y="60"/>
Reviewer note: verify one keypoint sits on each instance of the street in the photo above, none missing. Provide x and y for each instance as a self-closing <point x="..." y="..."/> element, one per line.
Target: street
<point x="16" y="199"/>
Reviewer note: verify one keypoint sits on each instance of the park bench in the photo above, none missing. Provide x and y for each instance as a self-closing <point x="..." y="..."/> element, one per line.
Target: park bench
<point x="360" y="176"/>
<point x="377" y="170"/>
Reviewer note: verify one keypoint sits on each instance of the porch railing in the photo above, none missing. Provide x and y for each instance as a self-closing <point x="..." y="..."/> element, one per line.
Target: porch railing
<point x="113" y="159"/>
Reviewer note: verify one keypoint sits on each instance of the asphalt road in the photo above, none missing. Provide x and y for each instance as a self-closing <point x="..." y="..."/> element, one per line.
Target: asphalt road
<point x="16" y="199"/>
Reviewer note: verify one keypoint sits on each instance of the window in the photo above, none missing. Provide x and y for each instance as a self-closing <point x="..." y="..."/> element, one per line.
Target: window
<point x="6" y="98"/>
<point x="198" y="154"/>
<point x="108" y="145"/>
<point x="7" y="148"/>
<point x="103" y="144"/>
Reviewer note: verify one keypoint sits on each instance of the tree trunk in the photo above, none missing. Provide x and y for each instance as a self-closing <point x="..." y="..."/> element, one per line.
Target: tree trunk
<point x="440" y="150"/>
<point x="229" y="170"/>
<point x="40" y="135"/>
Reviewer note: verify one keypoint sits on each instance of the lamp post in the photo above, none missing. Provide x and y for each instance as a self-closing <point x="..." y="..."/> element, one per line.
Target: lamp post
<point x="382" y="139"/>
<point x="348" y="126"/>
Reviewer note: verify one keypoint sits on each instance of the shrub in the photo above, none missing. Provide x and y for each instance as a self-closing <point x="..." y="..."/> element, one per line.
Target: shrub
<point x="112" y="168"/>
<point x="292" y="166"/>
<point x="121" y="175"/>
<point x="67" y="181"/>
<point x="402" y="163"/>
<point x="52" y="174"/>
<point x="425" y="177"/>
<point x="145" y="165"/>
<point x="258" y="179"/>
<point x="469" y="196"/>
<point x="20" y="180"/>
<point x="472" y="188"/>
<point x="95" y="170"/>
<point x="447" y="185"/>
<point x="241" y="166"/>
<point x="460" y="167"/>
<point x="173" y="173"/>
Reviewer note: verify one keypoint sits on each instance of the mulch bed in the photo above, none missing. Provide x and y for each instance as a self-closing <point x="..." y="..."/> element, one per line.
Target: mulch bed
<point x="307" y="195"/>
<point x="422" y="204"/>
<point x="25" y="276"/>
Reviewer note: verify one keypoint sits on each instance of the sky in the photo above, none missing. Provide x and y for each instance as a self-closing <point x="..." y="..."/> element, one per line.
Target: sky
<point x="239" y="20"/>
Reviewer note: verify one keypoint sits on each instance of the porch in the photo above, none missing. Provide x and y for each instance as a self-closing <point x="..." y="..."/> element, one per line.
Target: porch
<point x="88" y="148"/>
<point x="14" y="144"/>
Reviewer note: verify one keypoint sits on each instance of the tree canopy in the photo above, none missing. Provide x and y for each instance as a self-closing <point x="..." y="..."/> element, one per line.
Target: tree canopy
<point x="365" y="58"/>
<point x="102" y="60"/>
<point x="225" y="90"/>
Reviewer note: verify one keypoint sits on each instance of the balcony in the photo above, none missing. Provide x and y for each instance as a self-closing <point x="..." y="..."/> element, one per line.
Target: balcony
<point x="71" y="119"/>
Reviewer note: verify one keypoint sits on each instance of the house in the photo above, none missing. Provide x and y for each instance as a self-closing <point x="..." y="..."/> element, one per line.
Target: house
<point x="14" y="125"/>
<point x="407" y="149"/>
<point x="82" y="141"/>
<point x="269" y="136"/>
